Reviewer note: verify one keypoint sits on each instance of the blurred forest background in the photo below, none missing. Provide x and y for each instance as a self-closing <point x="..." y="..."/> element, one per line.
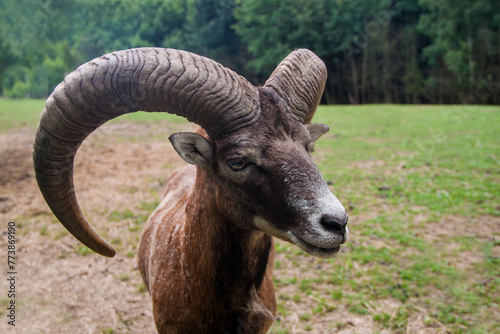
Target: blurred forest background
<point x="376" y="51"/>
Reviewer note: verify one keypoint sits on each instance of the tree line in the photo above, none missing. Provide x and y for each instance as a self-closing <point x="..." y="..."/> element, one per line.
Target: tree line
<point x="376" y="51"/>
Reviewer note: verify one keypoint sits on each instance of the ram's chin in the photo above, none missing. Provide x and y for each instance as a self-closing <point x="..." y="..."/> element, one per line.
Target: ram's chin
<point x="313" y="250"/>
<point x="264" y="226"/>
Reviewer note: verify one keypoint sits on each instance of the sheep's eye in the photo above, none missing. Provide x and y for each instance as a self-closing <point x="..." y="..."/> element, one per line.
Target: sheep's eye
<point x="237" y="164"/>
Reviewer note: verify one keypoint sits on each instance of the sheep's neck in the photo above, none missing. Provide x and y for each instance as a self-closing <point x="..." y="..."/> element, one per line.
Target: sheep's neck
<point x="226" y="261"/>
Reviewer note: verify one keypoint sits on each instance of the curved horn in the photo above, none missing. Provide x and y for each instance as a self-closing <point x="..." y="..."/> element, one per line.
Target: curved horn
<point x="147" y="79"/>
<point x="299" y="80"/>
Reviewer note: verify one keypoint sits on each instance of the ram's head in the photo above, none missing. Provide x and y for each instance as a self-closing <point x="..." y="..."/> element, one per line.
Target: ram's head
<point x="256" y="142"/>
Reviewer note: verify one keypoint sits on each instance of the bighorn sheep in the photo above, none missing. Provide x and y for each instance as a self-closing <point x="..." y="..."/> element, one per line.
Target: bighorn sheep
<point x="206" y="253"/>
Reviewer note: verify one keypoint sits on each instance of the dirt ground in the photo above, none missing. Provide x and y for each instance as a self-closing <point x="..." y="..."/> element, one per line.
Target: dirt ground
<point x="59" y="289"/>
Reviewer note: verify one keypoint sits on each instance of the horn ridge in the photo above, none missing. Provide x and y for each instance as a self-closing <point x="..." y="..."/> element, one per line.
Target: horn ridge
<point x="299" y="80"/>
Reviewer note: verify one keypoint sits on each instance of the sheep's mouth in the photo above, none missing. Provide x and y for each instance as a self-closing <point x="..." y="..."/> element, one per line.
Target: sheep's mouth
<point x="312" y="249"/>
<point x="291" y="237"/>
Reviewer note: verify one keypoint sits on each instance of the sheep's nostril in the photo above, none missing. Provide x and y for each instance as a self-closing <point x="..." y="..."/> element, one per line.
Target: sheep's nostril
<point x="333" y="224"/>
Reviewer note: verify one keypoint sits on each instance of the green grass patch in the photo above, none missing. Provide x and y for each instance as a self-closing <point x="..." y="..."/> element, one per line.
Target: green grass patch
<point x="150" y="117"/>
<point x="15" y="114"/>
<point x="82" y="250"/>
<point x="429" y="162"/>
<point x="445" y="158"/>
<point x="118" y="216"/>
<point x="142" y="288"/>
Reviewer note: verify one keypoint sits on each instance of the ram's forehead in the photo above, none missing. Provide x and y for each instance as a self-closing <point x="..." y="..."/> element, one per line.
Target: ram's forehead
<point x="274" y="128"/>
<point x="266" y="132"/>
<point x="239" y="140"/>
<point x="265" y="143"/>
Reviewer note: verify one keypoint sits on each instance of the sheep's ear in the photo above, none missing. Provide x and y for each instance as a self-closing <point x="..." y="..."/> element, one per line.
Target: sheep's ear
<point x="193" y="148"/>
<point x="316" y="130"/>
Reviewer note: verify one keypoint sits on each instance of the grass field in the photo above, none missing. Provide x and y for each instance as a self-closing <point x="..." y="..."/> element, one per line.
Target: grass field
<point x="409" y="168"/>
<point x="421" y="185"/>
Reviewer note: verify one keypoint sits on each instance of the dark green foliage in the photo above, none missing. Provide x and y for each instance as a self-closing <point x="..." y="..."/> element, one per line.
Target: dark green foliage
<point x="390" y="51"/>
<point x="464" y="37"/>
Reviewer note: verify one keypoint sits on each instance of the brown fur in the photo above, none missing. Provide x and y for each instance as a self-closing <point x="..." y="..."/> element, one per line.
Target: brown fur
<point x="210" y="264"/>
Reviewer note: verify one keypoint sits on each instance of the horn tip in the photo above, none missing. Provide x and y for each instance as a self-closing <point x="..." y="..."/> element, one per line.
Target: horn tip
<point x="106" y="250"/>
